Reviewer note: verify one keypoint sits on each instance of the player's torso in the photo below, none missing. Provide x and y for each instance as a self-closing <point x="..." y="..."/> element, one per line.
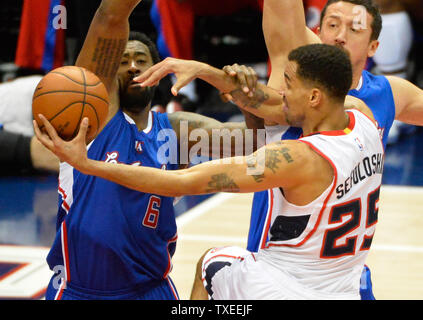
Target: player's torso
<point x="112" y="237"/>
<point x="334" y="232"/>
<point x="376" y="92"/>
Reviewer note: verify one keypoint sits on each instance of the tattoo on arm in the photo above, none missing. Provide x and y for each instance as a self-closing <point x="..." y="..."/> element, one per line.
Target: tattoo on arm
<point x="272" y="161"/>
<point x="251" y="102"/>
<point x="222" y="183"/>
<point x="107" y="56"/>
<point x="286" y="155"/>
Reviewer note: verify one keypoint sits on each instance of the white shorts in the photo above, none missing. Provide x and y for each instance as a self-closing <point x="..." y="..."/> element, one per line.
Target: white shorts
<point x="233" y="273"/>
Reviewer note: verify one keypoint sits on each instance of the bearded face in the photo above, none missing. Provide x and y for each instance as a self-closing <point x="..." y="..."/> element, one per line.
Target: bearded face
<point x="136" y="59"/>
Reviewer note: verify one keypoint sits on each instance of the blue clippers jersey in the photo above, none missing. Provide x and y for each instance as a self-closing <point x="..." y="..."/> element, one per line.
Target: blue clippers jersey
<point x="376" y="92"/>
<point x="110" y="237"/>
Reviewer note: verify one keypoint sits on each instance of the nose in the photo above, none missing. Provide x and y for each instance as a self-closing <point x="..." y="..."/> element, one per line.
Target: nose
<point x="133" y="69"/>
<point x="341" y="37"/>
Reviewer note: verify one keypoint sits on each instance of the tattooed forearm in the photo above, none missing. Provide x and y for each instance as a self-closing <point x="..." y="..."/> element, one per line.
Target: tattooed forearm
<point x="107" y="56"/>
<point x="222" y="183"/>
<point x="249" y="102"/>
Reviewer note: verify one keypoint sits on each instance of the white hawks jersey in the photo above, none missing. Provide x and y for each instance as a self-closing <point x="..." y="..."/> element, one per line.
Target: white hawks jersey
<point x="324" y="244"/>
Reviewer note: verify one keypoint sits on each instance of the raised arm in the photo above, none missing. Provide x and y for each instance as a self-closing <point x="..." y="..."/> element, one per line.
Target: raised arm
<point x="106" y="40"/>
<point x="284" y="29"/>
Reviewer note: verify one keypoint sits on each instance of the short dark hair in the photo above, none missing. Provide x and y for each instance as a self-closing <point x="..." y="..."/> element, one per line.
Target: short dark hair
<point x="326" y="66"/>
<point x="143" y="38"/>
<point x="371" y="8"/>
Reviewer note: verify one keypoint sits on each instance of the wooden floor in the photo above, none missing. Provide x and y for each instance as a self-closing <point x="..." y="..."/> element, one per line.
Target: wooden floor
<point x="395" y="259"/>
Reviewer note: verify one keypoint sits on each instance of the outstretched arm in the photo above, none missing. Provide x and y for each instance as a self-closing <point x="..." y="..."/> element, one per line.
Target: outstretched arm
<point x="282" y="164"/>
<point x="260" y="104"/>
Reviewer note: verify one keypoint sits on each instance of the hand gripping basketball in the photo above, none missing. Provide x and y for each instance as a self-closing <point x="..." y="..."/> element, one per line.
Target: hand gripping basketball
<point x="73" y="152"/>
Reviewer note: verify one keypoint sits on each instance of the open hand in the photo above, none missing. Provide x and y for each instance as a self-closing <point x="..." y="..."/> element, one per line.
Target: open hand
<point x="73" y="152"/>
<point x="184" y="70"/>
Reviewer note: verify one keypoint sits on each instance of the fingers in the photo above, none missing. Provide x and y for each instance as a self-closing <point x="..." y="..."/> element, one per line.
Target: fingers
<point x="180" y="83"/>
<point x="229" y="70"/>
<point x="43" y="138"/>
<point x="146" y="74"/>
<point x="245" y="76"/>
<point x="254" y="77"/>
<point x="82" y="134"/>
<point x="154" y="76"/>
<point x="49" y="128"/>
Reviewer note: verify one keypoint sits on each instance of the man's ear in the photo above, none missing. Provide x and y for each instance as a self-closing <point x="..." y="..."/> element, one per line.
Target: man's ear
<point x="374" y="44"/>
<point x="315" y="98"/>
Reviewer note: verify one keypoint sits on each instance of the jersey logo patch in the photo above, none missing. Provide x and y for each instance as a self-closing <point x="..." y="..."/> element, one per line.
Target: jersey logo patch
<point x="360" y="145"/>
<point x="138" y="146"/>
<point x="113" y="157"/>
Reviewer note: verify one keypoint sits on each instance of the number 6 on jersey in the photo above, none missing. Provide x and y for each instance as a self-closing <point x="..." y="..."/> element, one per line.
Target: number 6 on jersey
<point x="151" y="217"/>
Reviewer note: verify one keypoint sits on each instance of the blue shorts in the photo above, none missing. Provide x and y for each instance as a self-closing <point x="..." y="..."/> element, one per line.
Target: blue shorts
<point x="159" y="290"/>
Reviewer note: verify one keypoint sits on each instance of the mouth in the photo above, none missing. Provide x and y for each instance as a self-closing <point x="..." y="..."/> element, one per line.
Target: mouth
<point x="133" y="83"/>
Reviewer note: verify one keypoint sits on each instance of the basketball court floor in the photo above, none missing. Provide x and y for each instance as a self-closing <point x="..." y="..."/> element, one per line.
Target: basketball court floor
<point x="27" y="227"/>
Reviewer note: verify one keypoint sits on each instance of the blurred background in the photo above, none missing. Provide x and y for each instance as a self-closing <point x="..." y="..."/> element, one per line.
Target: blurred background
<point x="216" y="32"/>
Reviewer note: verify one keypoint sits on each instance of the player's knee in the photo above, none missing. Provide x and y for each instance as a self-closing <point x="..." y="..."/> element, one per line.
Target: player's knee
<point x="199" y="269"/>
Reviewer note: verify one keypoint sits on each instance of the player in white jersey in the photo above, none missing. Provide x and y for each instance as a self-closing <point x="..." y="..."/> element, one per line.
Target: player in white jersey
<point x="329" y="180"/>
<point x="317" y="250"/>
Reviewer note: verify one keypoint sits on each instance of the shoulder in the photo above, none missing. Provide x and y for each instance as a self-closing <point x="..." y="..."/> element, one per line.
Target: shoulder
<point x="296" y="153"/>
<point x="358" y="104"/>
<point x="302" y="162"/>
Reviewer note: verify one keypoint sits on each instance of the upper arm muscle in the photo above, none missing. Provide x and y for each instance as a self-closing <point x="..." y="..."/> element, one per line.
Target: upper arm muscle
<point x="408" y="101"/>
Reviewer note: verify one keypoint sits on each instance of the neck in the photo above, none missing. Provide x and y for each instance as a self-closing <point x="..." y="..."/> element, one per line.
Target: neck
<point x="140" y="118"/>
<point x="357" y="73"/>
<point x="335" y="118"/>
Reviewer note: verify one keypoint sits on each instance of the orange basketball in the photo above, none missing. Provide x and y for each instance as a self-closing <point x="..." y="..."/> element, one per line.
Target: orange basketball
<point x="65" y="96"/>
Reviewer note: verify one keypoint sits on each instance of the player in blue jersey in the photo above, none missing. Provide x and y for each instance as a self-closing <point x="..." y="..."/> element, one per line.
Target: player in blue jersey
<point x="113" y="242"/>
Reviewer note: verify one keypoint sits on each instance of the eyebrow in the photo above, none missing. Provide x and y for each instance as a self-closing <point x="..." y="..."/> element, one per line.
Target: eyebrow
<point x="333" y="16"/>
<point x="137" y="53"/>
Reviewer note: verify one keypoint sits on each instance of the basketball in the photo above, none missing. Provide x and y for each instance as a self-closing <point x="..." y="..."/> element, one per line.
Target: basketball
<point x="68" y="94"/>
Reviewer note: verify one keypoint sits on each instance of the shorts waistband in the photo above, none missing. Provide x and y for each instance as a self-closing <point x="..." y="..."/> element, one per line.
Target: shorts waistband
<point x="128" y="293"/>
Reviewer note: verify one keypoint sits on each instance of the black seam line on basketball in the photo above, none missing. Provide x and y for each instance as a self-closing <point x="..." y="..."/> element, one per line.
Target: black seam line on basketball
<point x="71" y="91"/>
<point x="70" y="105"/>
<point x="83" y="104"/>
<point x="61" y="111"/>
<point x="66" y="76"/>
<point x="96" y="116"/>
